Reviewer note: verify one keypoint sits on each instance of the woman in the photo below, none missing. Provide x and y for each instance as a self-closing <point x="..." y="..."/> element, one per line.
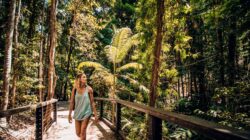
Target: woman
<point x="83" y="103"/>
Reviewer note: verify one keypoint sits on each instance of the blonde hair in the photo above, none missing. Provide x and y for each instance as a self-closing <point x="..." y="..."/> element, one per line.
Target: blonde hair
<point x="79" y="84"/>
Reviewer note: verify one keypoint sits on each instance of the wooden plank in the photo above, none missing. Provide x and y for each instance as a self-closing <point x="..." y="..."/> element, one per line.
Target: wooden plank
<point x="202" y="126"/>
<point x="39" y="124"/>
<point x="155" y="134"/>
<point x="118" y="118"/>
<point x="10" y="112"/>
<point x="14" y="111"/>
<point x="101" y="109"/>
<point x="113" y="128"/>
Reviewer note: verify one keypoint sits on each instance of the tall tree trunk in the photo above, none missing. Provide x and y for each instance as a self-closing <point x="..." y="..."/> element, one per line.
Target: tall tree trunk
<point x="65" y="97"/>
<point x="182" y="85"/>
<point x="15" y="61"/>
<point x="201" y="80"/>
<point x="188" y="84"/>
<point x="178" y="88"/>
<point x="156" y="64"/>
<point x="51" y="69"/>
<point x="191" y="85"/>
<point x="157" y="52"/>
<point x="32" y="19"/>
<point x="8" y="54"/>
<point x="67" y="69"/>
<point x="220" y="55"/>
<point x="42" y="44"/>
<point x="232" y="52"/>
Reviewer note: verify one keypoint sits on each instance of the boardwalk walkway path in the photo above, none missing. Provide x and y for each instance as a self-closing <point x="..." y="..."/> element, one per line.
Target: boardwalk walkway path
<point x="62" y="130"/>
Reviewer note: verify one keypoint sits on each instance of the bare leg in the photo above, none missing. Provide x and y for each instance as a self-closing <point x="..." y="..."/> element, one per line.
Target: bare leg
<point x="84" y="128"/>
<point x="78" y="127"/>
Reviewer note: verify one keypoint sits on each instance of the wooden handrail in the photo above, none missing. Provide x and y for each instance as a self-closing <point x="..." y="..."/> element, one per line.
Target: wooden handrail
<point x="13" y="111"/>
<point x="199" y="125"/>
<point x="39" y="114"/>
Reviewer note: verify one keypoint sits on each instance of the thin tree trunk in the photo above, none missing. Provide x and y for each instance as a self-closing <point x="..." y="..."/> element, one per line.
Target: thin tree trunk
<point x="157" y="52"/>
<point x="182" y="85"/>
<point x="232" y="52"/>
<point x="156" y="64"/>
<point x="8" y="54"/>
<point x="51" y="69"/>
<point x="15" y="61"/>
<point x="188" y="84"/>
<point x="221" y="56"/>
<point x="69" y="56"/>
<point x="45" y="69"/>
<point x="42" y="44"/>
<point x="191" y="85"/>
<point x="32" y="19"/>
<point x="178" y="89"/>
<point x="195" y="84"/>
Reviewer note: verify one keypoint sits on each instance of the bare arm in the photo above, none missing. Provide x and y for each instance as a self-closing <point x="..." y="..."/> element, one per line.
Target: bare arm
<point x="71" y="104"/>
<point x="92" y="101"/>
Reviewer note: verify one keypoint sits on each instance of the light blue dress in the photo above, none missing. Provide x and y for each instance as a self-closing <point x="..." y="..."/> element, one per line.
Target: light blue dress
<point x="82" y="106"/>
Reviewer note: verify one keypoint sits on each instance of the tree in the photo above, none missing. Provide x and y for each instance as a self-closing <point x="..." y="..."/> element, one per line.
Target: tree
<point x="15" y="57"/>
<point x="51" y="71"/>
<point x="156" y="65"/>
<point x="8" y="54"/>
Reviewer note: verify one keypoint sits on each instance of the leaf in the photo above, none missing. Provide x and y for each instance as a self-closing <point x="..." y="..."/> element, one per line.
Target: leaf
<point x="111" y="52"/>
<point x="135" y="83"/>
<point x="129" y="65"/>
<point x="95" y="65"/>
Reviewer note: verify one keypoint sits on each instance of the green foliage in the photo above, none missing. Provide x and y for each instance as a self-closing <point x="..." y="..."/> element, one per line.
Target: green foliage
<point x="134" y="124"/>
<point x="181" y="134"/>
<point x="23" y="99"/>
<point x="125" y="13"/>
<point x="121" y="44"/>
<point x="232" y="98"/>
<point x="238" y="120"/>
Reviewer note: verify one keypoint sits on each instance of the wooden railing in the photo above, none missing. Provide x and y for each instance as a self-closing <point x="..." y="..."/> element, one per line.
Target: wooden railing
<point x="207" y="128"/>
<point x="42" y="124"/>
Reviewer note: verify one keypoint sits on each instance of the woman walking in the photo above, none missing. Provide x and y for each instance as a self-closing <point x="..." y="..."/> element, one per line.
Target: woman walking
<point x="82" y="102"/>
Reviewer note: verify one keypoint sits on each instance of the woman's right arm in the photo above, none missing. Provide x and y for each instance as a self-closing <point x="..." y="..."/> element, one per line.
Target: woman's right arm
<point x="71" y="104"/>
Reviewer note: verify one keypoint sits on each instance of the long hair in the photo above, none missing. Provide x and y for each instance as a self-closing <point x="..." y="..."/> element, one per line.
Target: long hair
<point x="81" y="84"/>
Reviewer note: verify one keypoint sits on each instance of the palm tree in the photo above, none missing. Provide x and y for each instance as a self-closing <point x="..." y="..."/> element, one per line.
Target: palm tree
<point x="123" y="41"/>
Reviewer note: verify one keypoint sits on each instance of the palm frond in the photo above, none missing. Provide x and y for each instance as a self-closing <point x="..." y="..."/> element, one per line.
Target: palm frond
<point x="135" y="83"/>
<point x="124" y="48"/>
<point x="104" y="76"/>
<point x="95" y="65"/>
<point x="121" y="36"/>
<point x="111" y="52"/>
<point x="133" y="65"/>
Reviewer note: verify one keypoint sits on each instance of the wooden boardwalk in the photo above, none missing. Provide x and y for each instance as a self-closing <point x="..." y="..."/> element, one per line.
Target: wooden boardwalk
<point x="62" y="130"/>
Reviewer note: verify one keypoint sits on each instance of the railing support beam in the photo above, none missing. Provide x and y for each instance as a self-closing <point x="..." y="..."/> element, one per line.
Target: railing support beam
<point x="118" y="117"/>
<point x="55" y="112"/>
<point x="101" y="109"/>
<point x="39" y="123"/>
<point x="156" y="128"/>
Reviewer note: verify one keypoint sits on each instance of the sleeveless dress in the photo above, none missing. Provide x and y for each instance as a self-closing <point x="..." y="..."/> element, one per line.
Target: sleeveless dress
<point x="82" y="106"/>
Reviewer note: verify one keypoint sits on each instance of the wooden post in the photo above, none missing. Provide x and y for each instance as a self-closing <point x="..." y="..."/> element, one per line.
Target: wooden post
<point x="156" y="131"/>
<point x="39" y="123"/>
<point x="118" y="117"/>
<point x="55" y="112"/>
<point x="101" y="109"/>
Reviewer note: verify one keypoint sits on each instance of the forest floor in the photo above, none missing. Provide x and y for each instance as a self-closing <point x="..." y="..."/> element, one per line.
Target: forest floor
<point x="21" y="127"/>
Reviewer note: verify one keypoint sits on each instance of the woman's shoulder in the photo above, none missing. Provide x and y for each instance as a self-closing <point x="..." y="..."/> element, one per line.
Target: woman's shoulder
<point x="90" y="89"/>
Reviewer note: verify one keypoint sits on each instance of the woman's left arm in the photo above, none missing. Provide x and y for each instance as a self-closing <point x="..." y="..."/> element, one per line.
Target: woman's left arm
<point x="92" y="102"/>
